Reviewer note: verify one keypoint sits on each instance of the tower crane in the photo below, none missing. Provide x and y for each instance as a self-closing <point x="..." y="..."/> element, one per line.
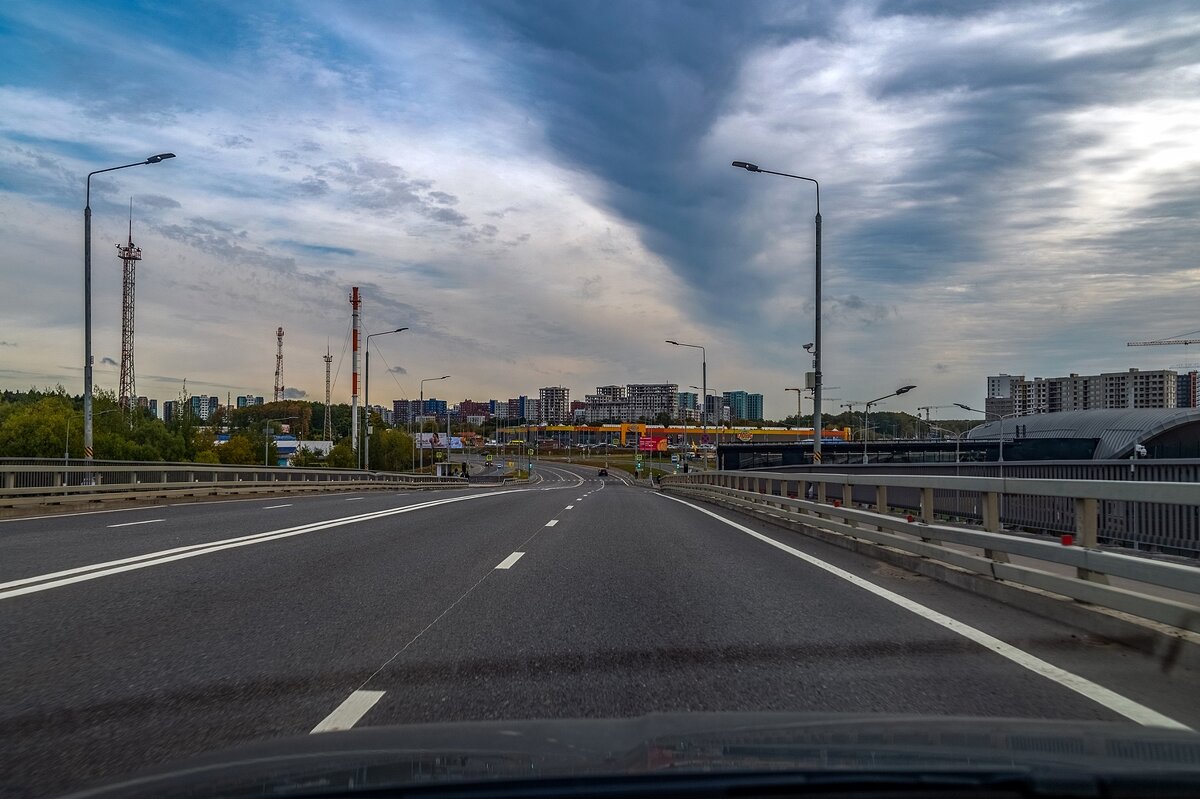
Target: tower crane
<point x="1181" y="339"/>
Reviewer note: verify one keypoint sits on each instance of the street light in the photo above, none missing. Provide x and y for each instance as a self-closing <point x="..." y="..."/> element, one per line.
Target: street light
<point x="704" y="388"/>
<point x="704" y="407"/>
<point x="267" y="436"/>
<point x="87" y="297"/>
<point x="815" y="348"/>
<point x="421" y="429"/>
<point x="799" y="409"/>
<point x="867" y="411"/>
<point x="995" y="416"/>
<point x="367" y="393"/>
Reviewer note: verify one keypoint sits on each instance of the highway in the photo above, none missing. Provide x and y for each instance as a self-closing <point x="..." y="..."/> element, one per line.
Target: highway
<point x="141" y="635"/>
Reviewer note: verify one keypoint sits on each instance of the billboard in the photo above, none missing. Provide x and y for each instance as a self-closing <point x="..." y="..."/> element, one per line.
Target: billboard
<point x="652" y="443"/>
<point x="438" y="441"/>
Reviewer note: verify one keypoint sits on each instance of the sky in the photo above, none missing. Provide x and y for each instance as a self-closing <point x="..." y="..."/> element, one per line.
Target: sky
<point x="542" y="192"/>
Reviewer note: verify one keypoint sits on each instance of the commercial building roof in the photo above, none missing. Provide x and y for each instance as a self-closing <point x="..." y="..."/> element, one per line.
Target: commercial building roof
<point x="1116" y="430"/>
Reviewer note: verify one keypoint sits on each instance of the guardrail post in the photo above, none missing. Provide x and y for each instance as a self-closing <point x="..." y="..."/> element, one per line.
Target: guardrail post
<point x="821" y="491"/>
<point x="927" y="505"/>
<point x="847" y="495"/>
<point x="10" y="480"/>
<point x="991" y="523"/>
<point x="881" y="505"/>
<point x="1085" y="531"/>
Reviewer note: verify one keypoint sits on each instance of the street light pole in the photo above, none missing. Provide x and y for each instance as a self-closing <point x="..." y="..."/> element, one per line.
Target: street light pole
<point x="704" y="386"/>
<point x="995" y="416"/>
<point x="799" y="409"/>
<point x="421" y="429"/>
<point x="367" y="393"/>
<point x="87" y="298"/>
<point x="867" y="411"/>
<point x="816" y="351"/>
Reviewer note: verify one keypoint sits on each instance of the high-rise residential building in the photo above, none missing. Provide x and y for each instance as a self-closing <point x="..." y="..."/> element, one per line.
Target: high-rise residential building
<point x="687" y="400"/>
<point x="578" y="411"/>
<point x="554" y="403"/>
<point x="609" y="403"/>
<point x="1074" y="392"/>
<point x="716" y="409"/>
<point x="754" y="407"/>
<point x="170" y="411"/>
<point x="1187" y="390"/>
<point x="472" y="408"/>
<point x="154" y="408"/>
<point x="213" y="404"/>
<point x="648" y="400"/>
<point x="743" y="405"/>
<point x="533" y="410"/>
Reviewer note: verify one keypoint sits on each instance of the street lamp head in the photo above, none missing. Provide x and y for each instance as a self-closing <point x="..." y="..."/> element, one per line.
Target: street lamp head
<point x="676" y="343"/>
<point x="400" y="330"/>
<point x="904" y="389"/>
<point x="154" y="159"/>
<point x="746" y="166"/>
<point x="443" y="377"/>
<point x="964" y="407"/>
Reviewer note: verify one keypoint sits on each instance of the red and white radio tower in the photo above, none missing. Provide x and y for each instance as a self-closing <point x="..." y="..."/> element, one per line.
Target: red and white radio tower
<point x="278" y="364"/>
<point x="129" y="255"/>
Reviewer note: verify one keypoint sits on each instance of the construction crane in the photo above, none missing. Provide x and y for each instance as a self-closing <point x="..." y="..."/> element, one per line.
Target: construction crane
<point x="129" y="255"/>
<point x="278" y="365"/>
<point x="1180" y="339"/>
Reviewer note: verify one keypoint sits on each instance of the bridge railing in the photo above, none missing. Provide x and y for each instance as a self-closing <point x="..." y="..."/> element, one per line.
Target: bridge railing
<point x="1159" y="590"/>
<point x="32" y="483"/>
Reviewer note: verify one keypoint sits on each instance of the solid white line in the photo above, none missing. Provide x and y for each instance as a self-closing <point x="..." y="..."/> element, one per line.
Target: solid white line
<point x="508" y="562"/>
<point x="552" y="522"/>
<point x="130" y="524"/>
<point x="569" y="507"/>
<point x="79" y="513"/>
<point x="95" y="570"/>
<point x="1080" y="685"/>
<point x="273" y="507"/>
<point x="347" y="714"/>
<point x="354" y="499"/>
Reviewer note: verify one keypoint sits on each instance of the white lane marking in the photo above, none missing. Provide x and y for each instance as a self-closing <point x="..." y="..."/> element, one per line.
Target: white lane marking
<point x="273" y="507"/>
<point x="347" y="714"/>
<point x="95" y="570"/>
<point x="579" y="499"/>
<point x="354" y="499"/>
<point x="130" y="524"/>
<point x="552" y="522"/>
<point x="569" y="507"/>
<point x="508" y="562"/>
<point x="79" y="513"/>
<point x="1080" y="685"/>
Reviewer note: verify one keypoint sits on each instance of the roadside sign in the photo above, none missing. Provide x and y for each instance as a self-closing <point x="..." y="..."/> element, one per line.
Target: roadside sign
<point x="675" y="458"/>
<point x="529" y="451"/>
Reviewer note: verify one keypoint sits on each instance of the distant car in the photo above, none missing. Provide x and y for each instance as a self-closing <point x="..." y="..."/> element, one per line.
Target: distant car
<point x="602" y="473"/>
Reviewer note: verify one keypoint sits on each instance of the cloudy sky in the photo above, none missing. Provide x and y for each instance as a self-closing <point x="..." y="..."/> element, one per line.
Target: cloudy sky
<point x="543" y="191"/>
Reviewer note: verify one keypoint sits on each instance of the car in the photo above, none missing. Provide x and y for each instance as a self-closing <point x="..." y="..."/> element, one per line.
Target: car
<point x="602" y="473"/>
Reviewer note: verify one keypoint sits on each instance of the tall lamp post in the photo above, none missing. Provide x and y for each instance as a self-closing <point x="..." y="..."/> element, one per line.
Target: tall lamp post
<point x="799" y="409"/>
<point x="816" y="350"/>
<point x="267" y="436"/>
<point x="867" y="412"/>
<point x="367" y="393"/>
<point x="704" y="385"/>
<point x="704" y="408"/>
<point x="87" y="297"/>
<point x="1001" y="417"/>
<point x="421" y="429"/>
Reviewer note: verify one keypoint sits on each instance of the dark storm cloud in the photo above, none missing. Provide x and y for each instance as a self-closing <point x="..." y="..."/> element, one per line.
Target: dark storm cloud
<point x="8" y="344"/>
<point x="294" y="393"/>
<point x="236" y="142"/>
<point x="106" y="361"/>
<point x="399" y="370"/>
<point x="155" y="201"/>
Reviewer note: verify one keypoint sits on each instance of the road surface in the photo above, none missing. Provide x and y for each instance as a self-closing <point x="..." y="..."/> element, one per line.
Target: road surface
<point x="137" y="636"/>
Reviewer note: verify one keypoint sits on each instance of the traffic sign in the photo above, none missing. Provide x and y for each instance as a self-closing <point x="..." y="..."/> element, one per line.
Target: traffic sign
<point x="529" y="451"/>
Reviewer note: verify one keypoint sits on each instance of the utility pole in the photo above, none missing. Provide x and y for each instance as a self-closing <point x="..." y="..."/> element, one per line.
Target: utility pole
<point x="327" y="433"/>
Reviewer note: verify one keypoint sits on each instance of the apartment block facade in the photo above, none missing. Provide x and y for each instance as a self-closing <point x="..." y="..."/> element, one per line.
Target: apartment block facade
<point x="1130" y="389"/>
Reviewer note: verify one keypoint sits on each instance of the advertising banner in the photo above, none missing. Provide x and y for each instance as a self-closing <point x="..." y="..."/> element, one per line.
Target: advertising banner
<point x="438" y="441"/>
<point x="652" y="444"/>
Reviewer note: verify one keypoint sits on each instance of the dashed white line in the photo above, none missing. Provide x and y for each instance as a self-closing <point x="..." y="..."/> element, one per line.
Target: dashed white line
<point x="569" y="507"/>
<point x="1080" y="685"/>
<point x="552" y="522"/>
<point x="130" y="524"/>
<point x="273" y="507"/>
<point x="354" y="499"/>
<point x="508" y="562"/>
<point x="347" y="714"/>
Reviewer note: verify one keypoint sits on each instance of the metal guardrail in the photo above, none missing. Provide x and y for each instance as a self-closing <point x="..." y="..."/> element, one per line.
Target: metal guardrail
<point x="783" y="492"/>
<point x="1136" y="524"/>
<point x="54" y="482"/>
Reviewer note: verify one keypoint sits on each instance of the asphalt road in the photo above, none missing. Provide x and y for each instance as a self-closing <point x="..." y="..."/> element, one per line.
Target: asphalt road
<point x="143" y="635"/>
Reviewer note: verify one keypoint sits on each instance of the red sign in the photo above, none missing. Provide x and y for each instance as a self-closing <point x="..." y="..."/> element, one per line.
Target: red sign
<point x="652" y="444"/>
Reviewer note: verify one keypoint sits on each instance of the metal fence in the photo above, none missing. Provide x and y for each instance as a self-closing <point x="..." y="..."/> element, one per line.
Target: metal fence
<point x="31" y="482"/>
<point x="1141" y="525"/>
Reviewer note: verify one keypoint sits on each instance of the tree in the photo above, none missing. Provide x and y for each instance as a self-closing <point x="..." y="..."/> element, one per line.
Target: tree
<point x="391" y="450"/>
<point x="39" y="429"/>
<point x="240" y="448"/>
<point x="340" y="456"/>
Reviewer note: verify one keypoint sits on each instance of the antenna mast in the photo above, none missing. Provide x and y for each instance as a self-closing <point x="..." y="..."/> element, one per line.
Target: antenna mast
<point x="328" y="433"/>
<point x="129" y="255"/>
<point x="278" y="364"/>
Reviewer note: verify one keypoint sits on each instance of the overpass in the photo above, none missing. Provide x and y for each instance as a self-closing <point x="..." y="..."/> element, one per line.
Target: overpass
<point x="137" y="632"/>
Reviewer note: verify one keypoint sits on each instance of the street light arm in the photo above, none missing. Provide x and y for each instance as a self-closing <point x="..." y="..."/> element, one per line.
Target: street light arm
<point x="755" y="168"/>
<point x="154" y="159"/>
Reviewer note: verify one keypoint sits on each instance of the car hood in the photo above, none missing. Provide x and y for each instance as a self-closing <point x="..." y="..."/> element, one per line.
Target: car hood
<point x="336" y="763"/>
